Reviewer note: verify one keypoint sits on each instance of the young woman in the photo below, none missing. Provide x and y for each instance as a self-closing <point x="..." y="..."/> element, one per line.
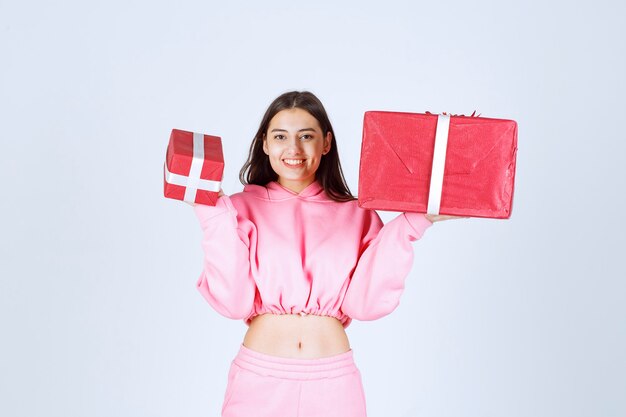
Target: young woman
<point x="296" y="258"/>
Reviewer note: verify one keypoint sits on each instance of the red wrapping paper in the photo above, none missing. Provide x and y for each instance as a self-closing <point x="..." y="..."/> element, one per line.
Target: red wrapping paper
<point x="178" y="161"/>
<point x="396" y="162"/>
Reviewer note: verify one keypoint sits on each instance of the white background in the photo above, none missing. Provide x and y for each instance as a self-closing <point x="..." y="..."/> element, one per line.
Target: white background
<point x="99" y="315"/>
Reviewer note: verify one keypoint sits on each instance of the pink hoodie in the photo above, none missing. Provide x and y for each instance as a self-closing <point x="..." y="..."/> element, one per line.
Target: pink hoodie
<point x="270" y="250"/>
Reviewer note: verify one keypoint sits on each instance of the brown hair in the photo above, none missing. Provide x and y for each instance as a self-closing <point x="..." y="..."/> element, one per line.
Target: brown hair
<point x="257" y="169"/>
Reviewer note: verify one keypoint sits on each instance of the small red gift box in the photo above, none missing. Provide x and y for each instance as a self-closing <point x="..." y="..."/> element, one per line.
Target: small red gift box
<point x="472" y="164"/>
<point x="193" y="169"/>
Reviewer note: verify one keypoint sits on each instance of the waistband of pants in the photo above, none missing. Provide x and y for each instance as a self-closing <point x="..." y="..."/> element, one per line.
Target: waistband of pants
<point x="295" y="368"/>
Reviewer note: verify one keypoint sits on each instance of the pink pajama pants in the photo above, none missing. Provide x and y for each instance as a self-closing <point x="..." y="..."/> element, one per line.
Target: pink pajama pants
<point x="261" y="385"/>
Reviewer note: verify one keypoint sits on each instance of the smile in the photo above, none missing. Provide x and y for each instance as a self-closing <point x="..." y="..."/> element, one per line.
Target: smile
<point x="293" y="162"/>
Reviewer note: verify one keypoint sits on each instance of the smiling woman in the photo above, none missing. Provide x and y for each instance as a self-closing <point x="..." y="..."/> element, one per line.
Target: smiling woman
<point x="295" y="145"/>
<point x="297" y="259"/>
<point x="296" y="107"/>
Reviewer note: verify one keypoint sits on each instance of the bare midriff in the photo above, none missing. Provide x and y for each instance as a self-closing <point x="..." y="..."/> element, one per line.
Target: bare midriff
<point x="296" y="336"/>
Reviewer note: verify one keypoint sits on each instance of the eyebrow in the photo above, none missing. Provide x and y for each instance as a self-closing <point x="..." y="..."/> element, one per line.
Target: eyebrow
<point x="306" y="129"/>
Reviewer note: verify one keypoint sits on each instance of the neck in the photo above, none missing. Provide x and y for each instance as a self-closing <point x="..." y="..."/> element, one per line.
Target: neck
<point x="295" y="186"/>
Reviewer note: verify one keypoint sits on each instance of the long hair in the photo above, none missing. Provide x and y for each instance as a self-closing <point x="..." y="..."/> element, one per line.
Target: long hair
<point x="257" y="169"/>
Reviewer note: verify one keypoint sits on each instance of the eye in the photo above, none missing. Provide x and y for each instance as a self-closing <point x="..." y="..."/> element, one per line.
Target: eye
<point x="306" y="137"/>
<point x="279" y="137"/>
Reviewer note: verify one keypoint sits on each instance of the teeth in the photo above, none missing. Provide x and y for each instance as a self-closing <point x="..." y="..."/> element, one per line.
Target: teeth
<point x="293" y="161"/>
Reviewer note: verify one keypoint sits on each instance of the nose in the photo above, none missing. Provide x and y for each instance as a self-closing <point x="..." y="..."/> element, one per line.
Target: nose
<point x="294" y="144"/>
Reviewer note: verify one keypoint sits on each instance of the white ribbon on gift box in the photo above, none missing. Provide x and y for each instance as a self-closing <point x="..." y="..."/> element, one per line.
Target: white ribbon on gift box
<point x="439" y="163"/>
<point x="193" y="182"/>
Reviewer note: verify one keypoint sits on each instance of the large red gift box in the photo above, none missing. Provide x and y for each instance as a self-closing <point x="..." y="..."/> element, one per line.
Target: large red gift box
<point x="193" y="169"/>
<point x="474" y="164"/>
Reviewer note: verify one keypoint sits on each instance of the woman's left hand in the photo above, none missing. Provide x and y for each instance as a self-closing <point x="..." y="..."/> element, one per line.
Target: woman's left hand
<point x="441" y="217"/>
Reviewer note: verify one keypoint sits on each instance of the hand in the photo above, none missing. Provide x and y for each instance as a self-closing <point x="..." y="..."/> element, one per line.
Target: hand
<point x="441" y="217"/>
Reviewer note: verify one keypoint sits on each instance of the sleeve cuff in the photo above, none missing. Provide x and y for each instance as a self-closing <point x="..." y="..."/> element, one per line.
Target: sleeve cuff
<point x="206" y="213"/>
<point x="418" y="222"/>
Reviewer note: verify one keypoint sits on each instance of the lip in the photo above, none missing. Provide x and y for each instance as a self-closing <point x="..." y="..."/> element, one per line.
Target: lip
<point x="293" y="166"/>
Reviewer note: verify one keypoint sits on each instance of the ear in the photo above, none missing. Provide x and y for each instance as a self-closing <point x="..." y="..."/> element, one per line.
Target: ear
<point x="265" y="149"/>
<point x="328" y="141"/>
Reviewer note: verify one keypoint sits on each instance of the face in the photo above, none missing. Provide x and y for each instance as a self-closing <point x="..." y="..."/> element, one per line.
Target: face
<point x="295" y="143"/>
